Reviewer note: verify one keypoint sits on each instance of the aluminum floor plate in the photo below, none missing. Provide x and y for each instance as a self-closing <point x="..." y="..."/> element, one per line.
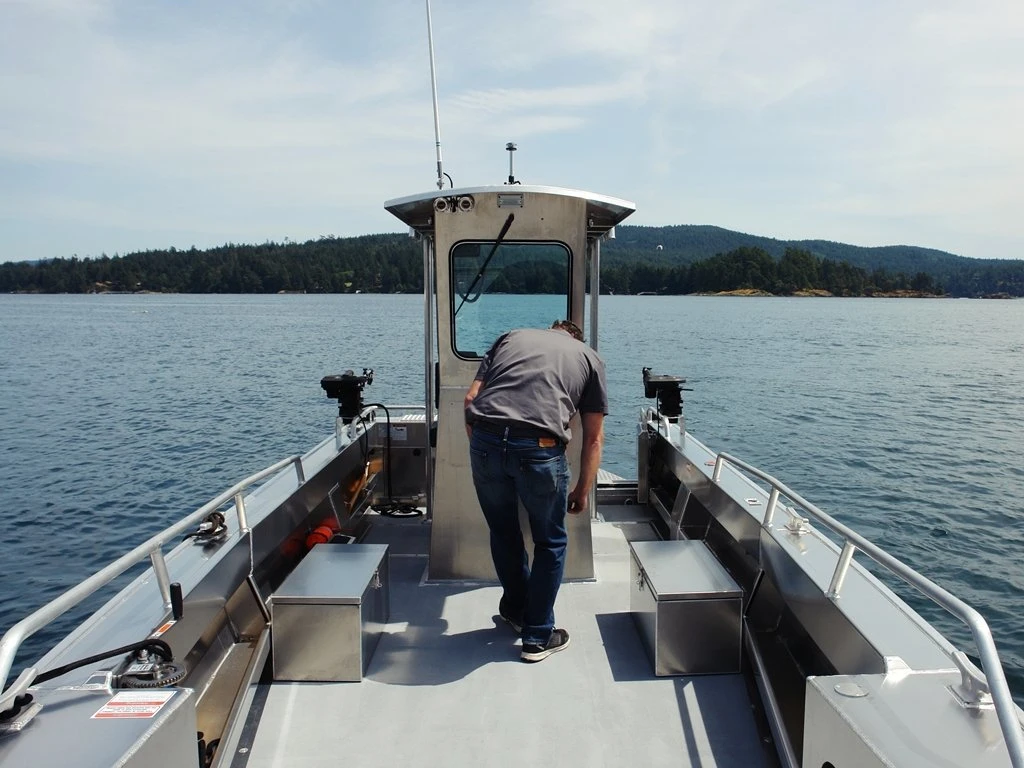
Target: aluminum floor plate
<point x="446" y="687"/>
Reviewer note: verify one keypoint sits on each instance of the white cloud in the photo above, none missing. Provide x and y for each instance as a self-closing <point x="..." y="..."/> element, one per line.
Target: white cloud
<point x="765" y="115"/>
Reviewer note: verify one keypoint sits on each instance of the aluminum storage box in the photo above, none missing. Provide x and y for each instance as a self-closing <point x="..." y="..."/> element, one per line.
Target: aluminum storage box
<point x="330" y="612"/>
<point x="686" y="607"/>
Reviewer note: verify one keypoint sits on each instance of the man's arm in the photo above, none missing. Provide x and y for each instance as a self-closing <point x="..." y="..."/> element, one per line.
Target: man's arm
<point x="474" y="390"/>
<point x="590" y="461"/>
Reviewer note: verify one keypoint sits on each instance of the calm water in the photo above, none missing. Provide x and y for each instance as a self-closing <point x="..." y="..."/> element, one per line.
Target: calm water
<point x="904" y="418"/>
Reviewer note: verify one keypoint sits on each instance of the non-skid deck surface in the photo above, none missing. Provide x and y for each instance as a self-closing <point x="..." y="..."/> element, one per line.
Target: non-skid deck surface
<point x="446" y="686"/>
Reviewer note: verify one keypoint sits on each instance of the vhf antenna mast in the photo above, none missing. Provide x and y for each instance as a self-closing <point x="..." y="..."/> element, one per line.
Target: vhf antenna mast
<point x="433" y="89"/>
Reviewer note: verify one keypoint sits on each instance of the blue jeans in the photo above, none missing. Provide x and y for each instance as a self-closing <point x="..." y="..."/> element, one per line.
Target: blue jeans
<point x="507" y="470"/>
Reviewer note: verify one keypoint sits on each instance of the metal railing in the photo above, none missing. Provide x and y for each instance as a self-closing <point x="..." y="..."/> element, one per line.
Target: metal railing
<point x="853" y="542"/>
<point x="153" y="549"/>
<point x="348" y="431"/>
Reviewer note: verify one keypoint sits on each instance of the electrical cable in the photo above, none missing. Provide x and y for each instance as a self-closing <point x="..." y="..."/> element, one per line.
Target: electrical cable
<point x="391" y="509"/>
<point x="364" y="440"/>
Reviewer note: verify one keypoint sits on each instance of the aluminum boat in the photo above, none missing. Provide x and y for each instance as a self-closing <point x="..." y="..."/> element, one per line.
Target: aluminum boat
<point x="340" y="606"/>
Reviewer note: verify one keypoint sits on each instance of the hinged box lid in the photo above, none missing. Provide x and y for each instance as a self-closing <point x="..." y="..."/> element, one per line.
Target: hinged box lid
<point x="336" y="574"/>
<point x="683" y="569"/>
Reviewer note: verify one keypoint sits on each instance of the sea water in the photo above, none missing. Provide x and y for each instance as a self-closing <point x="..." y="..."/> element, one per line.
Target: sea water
<point x="120" y="414"/>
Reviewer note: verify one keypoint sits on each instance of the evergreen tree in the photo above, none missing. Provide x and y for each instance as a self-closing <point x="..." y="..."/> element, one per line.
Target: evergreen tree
<point x="686" y="263"/>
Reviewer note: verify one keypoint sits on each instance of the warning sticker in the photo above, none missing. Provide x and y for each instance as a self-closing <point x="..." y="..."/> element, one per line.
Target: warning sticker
<point x="133" y="704"/>
<point x="163" y="628"/>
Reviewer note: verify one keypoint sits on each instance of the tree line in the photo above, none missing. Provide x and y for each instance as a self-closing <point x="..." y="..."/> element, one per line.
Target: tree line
<point x="372" y="263"/>
<point x="393" y="264"/>
<point x="685" y="244"/>
<point x="755" y="270"/>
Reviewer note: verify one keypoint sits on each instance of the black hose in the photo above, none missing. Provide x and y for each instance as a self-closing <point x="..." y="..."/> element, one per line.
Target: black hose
<point x="19" y="703"/>
<point x="210" y="752"/>
<point x="150" y="643"/>
<point x="391" y="509"/>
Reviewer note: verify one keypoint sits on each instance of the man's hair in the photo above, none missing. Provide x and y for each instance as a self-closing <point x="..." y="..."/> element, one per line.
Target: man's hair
<point x="569" y="327"/>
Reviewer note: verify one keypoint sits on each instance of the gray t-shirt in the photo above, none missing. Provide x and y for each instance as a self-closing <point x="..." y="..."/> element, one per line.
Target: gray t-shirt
<point x="539" y="378"/>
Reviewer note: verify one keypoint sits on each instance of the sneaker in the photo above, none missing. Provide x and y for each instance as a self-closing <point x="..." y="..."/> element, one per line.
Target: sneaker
<point x="516" y="625"/>
<point x="558" y="641"/>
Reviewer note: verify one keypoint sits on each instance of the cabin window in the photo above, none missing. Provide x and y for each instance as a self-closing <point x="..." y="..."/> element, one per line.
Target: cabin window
<point x="516" y="285"/>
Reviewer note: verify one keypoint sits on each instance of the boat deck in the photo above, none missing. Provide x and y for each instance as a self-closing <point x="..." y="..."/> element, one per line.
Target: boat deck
<point x="446" y="686"/>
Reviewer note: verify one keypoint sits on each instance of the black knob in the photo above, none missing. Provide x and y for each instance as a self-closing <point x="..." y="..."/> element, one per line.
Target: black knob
<point x="177" y="601"/>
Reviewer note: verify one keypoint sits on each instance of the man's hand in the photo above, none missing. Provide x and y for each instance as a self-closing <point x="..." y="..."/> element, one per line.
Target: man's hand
<point x="474" y="390"/>
<point x="578" y="500"/>
<point x="590" y="460"/>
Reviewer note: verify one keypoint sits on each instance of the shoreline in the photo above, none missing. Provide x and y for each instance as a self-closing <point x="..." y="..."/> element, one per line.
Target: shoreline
<point x="814" y="293"/>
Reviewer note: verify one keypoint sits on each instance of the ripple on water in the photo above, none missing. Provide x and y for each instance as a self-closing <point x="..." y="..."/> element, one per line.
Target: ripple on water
<point x="902" y="419"/>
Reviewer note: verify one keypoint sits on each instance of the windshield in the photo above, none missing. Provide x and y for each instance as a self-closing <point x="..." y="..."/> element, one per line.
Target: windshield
<point x="516" y="285"/>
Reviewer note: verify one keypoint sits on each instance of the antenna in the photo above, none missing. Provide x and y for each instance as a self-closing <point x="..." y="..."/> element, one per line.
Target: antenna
<point x="510" y="147"/>
<point x="433" y="90"/>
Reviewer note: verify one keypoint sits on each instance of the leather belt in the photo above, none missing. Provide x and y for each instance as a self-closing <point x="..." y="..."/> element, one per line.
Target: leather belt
<point x="515" y="431"/>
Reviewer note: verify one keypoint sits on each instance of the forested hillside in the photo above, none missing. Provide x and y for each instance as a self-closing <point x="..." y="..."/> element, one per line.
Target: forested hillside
<point x="385" y="263"/>
<point x="687" y="243"/>
<point x="682" y="259"/>
<point x="690" y="242"/>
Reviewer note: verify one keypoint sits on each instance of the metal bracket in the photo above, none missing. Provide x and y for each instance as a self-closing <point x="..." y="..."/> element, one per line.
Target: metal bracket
<point x="22" y="719"/>
<point x="678" y="511"/>
<point x="896" y="669"/>
<point x="797" y="525"/>
<point x="18" y="687"/>
<point x="973" y="691"/>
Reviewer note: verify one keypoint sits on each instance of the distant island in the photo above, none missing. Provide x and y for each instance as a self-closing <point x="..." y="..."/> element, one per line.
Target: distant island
<point x="677" y="260"/>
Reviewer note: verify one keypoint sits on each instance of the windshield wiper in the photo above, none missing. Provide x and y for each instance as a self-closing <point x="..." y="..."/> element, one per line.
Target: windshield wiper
<point x="483" y="267"/>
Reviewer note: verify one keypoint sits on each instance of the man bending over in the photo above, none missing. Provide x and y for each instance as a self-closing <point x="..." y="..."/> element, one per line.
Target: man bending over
<point x="528" y="387"/>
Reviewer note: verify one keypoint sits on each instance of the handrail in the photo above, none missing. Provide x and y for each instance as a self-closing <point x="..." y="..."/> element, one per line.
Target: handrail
<point x="153" y="548"/>
<point x="852" y="542"/>
<point x="352" y="427"/>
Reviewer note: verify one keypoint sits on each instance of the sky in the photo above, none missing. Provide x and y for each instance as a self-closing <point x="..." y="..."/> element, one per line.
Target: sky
<point x="128" y="125"/>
